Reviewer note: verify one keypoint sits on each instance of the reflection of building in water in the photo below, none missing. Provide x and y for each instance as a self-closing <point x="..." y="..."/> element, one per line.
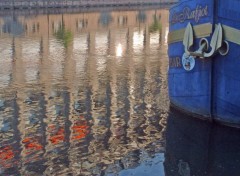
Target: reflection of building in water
<point x="9" y="133"/>
<point x="87" y="88"/>
<point x="119" y="111"/>
<point x="137" y="105"/>
<point x="32" y="128"/>
<point x="153" y="111"/>
<point x="57" y="130"/>
<point x="48" y="24"/>
<point x="6" y="66"/>
<point x="79" y="111"/>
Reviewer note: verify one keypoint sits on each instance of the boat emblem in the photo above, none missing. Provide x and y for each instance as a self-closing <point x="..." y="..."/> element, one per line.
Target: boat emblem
<point x="188" y="62"/>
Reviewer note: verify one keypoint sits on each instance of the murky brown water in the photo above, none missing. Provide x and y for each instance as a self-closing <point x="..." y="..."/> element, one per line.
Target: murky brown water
<point x="83" y="93"/>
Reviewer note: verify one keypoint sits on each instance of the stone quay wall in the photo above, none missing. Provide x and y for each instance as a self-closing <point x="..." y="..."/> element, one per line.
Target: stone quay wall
<point x="28" y="4"/>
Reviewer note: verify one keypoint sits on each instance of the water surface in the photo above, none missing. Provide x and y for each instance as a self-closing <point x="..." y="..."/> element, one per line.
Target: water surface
<point x="83" y="93"/>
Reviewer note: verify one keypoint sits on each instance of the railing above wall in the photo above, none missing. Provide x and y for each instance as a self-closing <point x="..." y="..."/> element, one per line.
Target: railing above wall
<point x="28" y="4"/>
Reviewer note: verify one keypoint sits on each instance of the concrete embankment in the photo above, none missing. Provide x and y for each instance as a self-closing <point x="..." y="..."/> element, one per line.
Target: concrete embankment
<point x="28" y="4"/>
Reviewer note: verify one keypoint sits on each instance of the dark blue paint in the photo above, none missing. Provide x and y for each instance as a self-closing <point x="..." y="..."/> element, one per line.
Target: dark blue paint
<point x="206" y="149"/>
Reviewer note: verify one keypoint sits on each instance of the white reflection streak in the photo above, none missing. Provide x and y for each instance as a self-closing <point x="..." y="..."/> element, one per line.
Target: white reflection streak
<point x="119" y="50"/>
<point x="166" y="35"/>
<point x="138" y="38"/>
<point x="31" y="58"/>
<point x="5" y="64"/>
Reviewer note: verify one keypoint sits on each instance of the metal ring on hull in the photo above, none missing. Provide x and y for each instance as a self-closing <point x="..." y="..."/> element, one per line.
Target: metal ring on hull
<point x="224" y="49"/>
<point x="204" y="42"/>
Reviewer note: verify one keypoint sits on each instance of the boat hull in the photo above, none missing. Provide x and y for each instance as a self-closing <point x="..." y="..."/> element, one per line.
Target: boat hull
<point x="226" y="85"/>
<point x="211" y="89"/>
<point x="190" y="90"/>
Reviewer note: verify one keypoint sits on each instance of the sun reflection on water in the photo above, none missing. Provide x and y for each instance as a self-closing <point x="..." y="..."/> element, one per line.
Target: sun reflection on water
<point x="119" y="50"/>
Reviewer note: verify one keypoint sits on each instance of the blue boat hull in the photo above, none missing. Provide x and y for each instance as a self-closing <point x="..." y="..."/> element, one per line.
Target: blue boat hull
<point x="211" y="89"/>
<point x="226" y="85"/>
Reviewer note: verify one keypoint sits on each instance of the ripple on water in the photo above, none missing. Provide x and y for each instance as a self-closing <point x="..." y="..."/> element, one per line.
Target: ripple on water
<point x="81" y="98"/>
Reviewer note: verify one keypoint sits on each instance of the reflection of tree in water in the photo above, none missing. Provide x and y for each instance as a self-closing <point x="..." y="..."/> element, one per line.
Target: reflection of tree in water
<point x="64" y="35"/>
<point x="9" y="134"/>
<point x="156" y="25"/>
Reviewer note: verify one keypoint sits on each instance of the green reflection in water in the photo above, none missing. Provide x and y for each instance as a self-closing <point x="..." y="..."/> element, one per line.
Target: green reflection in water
<point x="66" y="36"/>
<point x="156" y="25"/>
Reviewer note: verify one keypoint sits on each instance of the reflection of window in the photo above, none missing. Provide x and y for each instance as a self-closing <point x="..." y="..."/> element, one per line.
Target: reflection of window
<point x="38" y="27"/>
<point x="81" y="24"/>
<point x="12" y="26"/>
<point x="80" y="129"/>
<point x="1" y="25"/>
<point x="141" y="17"/>
<point x="105" y="19"/>
<point x="33" y="28"/>
<point x="122" y="20"/>
<point x="57" y="134"/>
<point x="56" y="25"/>
<point x="6" y="153"/>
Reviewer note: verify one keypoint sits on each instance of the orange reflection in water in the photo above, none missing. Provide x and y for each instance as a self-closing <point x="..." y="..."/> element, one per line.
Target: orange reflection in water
<point x="6" y="153"/>
<point x="32" y="147"/>
<point x="32" y="144"/>
<point x="58" y="136"/>
<point x="6" y="156"/>
<point x="80" y="129"/>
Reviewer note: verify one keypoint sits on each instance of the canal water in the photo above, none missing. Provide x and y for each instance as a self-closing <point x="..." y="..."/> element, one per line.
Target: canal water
<point x="85" y="93"/>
